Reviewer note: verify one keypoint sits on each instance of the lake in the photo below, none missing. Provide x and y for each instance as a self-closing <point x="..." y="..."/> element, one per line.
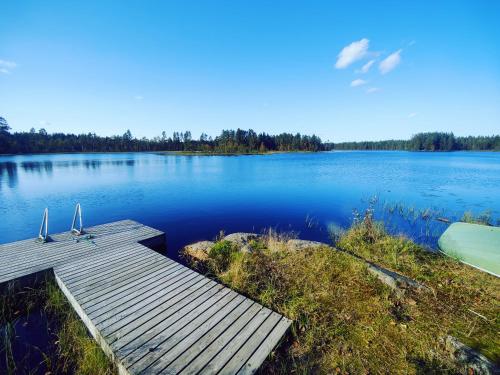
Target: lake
<point x="194" y="197"/>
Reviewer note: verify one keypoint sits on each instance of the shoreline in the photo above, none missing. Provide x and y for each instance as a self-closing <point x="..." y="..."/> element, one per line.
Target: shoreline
<point x="204" y="153"/>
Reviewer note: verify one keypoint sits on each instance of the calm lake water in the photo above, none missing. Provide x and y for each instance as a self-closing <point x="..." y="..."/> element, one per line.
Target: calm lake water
<point x="194" y="197"/>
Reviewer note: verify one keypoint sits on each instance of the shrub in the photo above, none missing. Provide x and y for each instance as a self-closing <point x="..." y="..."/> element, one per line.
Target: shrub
<point x="221" y="255"/>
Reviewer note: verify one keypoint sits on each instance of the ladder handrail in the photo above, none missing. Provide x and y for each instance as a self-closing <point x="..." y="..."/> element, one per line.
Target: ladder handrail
<point x="78" y="211"/>
<point x="45" y="223"/>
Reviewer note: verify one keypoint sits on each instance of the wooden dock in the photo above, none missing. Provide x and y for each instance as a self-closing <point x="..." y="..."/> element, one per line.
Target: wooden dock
<point x="150" y="314"/>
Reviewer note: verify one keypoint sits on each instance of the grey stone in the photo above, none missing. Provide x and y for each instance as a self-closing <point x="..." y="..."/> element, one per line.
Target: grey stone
<point x="297" y="245"/>
<point x="393" y="279"/>
<point x="469" y="358"/>
<point x="199" y="250"/>
<point x="241" y="239"/>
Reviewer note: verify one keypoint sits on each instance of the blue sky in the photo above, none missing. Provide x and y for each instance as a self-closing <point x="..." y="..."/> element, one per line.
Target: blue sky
<point x="149" y="66"/>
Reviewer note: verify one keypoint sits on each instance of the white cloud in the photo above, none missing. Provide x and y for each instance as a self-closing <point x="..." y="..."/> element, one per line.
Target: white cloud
<point x="358" y="82"/>
<point x="351" y="53"/>
<point x="413" y="114"/>
<point x="365" y="68"/>
<point x="371" y="90"/>
<point x="138" y="97"/>
<point x="7" y="66"/>
<point x="390" y="62"/>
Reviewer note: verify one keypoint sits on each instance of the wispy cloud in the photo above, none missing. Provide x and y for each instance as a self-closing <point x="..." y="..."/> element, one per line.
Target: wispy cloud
<point x="7" y="66"/>
<point x="351" y="53"/>
<point x="413" y="114"/>
<point x="358" y="82"/>
<point x="365" y="68"/>
<point x="390" y="62"/>
<point x="371" y="90"/>
<point x="138" y="97"/>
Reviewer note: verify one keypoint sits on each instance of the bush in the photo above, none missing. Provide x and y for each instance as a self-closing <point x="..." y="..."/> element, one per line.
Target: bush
<point x="221" y="256"/>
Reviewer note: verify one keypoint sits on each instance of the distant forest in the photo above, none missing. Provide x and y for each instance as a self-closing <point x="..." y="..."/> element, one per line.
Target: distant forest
<point x="228" y="142"/>
<point x="433" y="141"/>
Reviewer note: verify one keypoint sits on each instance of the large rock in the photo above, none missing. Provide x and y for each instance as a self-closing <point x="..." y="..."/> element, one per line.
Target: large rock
<point x="471" y="361"/>
<point x="199" y="250"/>
<point x="297" y="245"/>
<point x="242" y="240"/>
<point x="399" y="283"/>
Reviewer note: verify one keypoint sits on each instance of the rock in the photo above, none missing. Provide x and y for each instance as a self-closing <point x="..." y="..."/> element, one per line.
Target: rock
<point x="393" y="279"/>
<point x="297" y="245"/>
<point x="199" y="250"/>
<point x="242" y="240"/>
<point x="472" y="361"/>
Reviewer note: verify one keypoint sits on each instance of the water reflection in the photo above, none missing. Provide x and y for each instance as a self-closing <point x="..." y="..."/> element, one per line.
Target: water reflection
<point x="8" y="173"/>
<point x="37" y="167"/>
<point x="9" y="169"/>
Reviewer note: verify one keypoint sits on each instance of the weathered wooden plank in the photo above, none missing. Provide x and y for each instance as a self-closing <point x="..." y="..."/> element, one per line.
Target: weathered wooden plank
<point x="130" y="294"/>
<point x="136" y="299"/>
<point x="106" y="255"/>
<point x="62" y="241"/>
<point x="166" y="352"/>
<point x="116" y="330"/>
<point x="116" y="277"/>
<point x="105" y="258"/>
<point x="240" y="353"/>
<point x="265" y="347"/>
<point x="210" y="344"/>
<point x="137" y="347"/>
<point x="221" y="350"/>
<point x="167" y="319"/>
<point x="45" y="255"/>
<point x="87" y="295"/>
<point x="153" y="280"/>
<point x="94" y="277"/>
<point x="98" y="230"/>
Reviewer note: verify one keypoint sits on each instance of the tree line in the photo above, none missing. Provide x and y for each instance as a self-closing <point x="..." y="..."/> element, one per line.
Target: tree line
<point x="229" y="141"/>
<point x="432" y="141"/>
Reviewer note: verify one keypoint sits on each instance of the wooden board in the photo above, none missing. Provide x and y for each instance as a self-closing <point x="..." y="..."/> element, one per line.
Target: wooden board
<point x="150" y="314"/>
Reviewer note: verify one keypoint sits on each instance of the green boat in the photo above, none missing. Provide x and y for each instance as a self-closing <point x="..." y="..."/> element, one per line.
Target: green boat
<point x="473" y="244"/>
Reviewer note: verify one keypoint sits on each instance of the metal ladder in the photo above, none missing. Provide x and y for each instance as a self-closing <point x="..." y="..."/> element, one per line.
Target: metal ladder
<point x="43" y="234"/>
<point x="78" y="213"/>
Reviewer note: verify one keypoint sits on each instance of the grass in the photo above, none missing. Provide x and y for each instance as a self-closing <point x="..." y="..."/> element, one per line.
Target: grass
<point x="347" y="321"/>
<point x="461" y="294"/>
<point x="71" y="349"/>
<point x="484" y="218"/>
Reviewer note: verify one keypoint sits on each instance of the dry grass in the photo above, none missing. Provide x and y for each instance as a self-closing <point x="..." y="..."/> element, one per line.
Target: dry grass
<point x="78" y="352"/>
<point x="72" y="351"/>
<point x="465" y="301"/>
<point x="346" y="321"/>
